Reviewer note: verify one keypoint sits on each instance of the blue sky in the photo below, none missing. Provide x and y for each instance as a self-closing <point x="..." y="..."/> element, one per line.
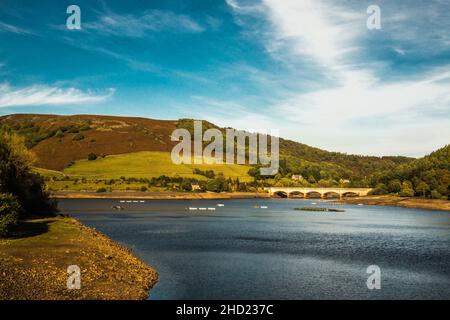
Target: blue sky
<point x="309" y="68"/>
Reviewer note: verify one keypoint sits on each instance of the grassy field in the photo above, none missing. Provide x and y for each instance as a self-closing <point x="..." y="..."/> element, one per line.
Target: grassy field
<point x="148" y="164"/>
<point x="85" y="175"/>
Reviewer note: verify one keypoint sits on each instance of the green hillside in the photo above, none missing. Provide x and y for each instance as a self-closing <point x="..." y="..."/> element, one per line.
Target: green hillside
<point x="148" y="164"/>
<point x="63" y="143"/>
<point x="427" y="177"/>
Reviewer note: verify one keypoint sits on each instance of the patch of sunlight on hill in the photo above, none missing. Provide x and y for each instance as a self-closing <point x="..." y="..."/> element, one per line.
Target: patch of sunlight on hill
<point x="148" y="164"/>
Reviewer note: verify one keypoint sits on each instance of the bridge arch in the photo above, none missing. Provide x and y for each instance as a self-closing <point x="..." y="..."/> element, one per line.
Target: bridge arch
<point x="331" y="195"/>
<point x="350" y="194"/>
<point x="296" y="194"/>
<point x="313" y="194"/>
<point x="280" y="194"/>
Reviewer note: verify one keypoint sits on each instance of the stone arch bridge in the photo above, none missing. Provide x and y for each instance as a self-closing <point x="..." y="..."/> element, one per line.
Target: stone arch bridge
<point x="306" y="192"/>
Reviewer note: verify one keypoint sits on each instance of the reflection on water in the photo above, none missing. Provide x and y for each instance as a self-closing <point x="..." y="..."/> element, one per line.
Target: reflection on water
<point x="242" y="252"/>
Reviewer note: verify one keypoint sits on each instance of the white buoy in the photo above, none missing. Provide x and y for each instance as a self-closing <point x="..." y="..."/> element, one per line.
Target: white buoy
<point x="220" y="205"/>
<point x="263" y="207"/>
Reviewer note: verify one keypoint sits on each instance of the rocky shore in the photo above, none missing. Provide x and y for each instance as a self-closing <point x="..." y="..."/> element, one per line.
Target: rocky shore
<point x="33" y="264"/>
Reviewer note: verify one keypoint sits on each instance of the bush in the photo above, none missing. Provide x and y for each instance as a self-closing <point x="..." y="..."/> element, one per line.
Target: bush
<point x="99" y="190"/>
<point x="436" y="195"/>
<point x="92" y="156"/>
<point x="59" y="134"/>
<point x="9" y="213"/>
<point x="78" y="137"/>
<point x="143" y="188"/>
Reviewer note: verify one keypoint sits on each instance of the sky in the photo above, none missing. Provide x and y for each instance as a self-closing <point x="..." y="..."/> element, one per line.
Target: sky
<point x="310" y="69"/>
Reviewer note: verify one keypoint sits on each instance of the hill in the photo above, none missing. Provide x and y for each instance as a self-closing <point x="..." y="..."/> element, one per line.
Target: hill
<point x="427" y="177"/>
<point x="59" y="141"/>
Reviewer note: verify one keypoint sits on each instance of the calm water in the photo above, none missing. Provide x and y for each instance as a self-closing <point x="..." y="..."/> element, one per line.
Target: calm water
<point x="242" y="252"/>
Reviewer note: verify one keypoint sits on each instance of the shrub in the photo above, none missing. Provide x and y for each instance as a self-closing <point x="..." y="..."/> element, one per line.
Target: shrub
<point x="99" y="190"/>
<point x="143" y="188"/>
<point x="9" y="213"/>
<point x="59" y="134"/>
<point x="92" y="156"/>
<point x="436" y="195"/>
<point x="78" y="137"/>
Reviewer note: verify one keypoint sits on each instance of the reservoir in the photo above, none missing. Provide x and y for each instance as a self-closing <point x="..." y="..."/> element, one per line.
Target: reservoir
<point x="264" y="249"/>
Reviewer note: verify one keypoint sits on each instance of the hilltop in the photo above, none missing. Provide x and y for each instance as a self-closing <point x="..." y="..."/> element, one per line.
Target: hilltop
<point x="58" y="141"/>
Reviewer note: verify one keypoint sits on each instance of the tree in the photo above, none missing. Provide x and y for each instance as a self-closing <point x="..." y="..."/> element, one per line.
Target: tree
<point x="407" y="189"/>
<point x="186" y="185"/>
<point x="394" y="186"/>
<point x="422" y="188"/>
<point x="17" y="179"/>
<point x="435" y="194"/>
<point x="9" y="213"/>
<point x="380" y="189"/>
<point x="254" y="172"/>
<point x="213" y="185"/>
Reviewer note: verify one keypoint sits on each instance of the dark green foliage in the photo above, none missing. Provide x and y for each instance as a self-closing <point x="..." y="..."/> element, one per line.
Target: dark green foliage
<point x="9" y="213"/>
<point x="186" y="186"/>
<point x="425" y="177"/>
<point x="100" y="190"/>
<point x="207" y="173"/>
<point x="92" y="156"/>
<point x="17" y="179"/>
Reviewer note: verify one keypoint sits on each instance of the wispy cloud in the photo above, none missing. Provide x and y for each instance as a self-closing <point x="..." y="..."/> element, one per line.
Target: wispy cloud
<point x="5" y="27"/>
<point x="137" y="26"/>
<point x="36" y="95"/>
<point x="356" y="108"/>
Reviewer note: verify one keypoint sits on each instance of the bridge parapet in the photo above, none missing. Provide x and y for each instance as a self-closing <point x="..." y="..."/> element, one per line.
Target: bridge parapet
<point x="289" y="191"/>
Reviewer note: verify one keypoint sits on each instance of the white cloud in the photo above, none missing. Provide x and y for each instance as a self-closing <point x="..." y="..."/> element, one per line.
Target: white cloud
<point x="353" y="108"/>
<point x="135" y="26"/>
<point x="233" y="4"/>
<point x="44" y="95"/>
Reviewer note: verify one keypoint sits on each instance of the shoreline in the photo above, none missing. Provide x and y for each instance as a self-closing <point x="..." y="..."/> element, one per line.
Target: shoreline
<point x="155" y="195"/>
<point x="396" y="201"/>
<point x="386" y="200"/>
<point x="34" y="262"/>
